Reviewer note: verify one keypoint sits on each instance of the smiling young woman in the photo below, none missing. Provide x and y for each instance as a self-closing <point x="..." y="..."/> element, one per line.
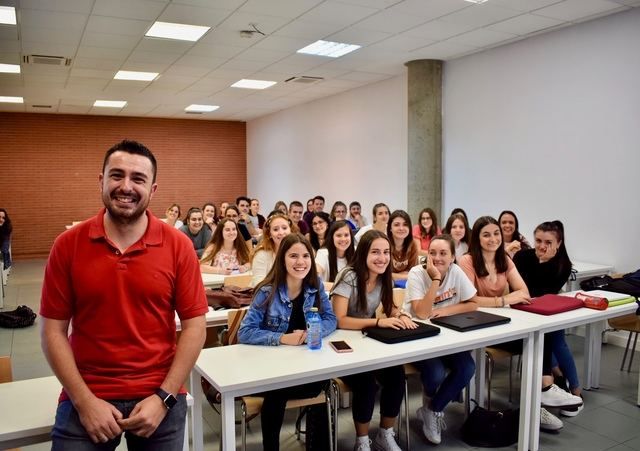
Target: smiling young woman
<point x="337" y="252"/>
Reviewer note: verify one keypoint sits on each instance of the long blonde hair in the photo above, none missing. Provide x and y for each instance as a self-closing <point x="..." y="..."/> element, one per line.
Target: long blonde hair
<point x="267" y="244"/>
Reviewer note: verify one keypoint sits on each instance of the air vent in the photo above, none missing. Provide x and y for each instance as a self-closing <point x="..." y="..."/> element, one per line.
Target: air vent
<point x="304" y="79"/>
<point x="41" y="106"/>
<point x="193" y="112"/>
<point x="46" y="59"/>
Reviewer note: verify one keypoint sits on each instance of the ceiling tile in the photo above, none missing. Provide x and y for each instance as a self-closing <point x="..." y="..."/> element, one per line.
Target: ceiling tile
<point x="230" y="37"/>
<point x="194" y="15"/>
<point x="9" y="46"/>
<point x="482" y="38"/>
<point x="31" y="18"/>
<point x="201" y="62"/>
<point x="139" y="56"/>
<point x="438" y="30"/>
<point x="205" y="49"/>
<point x="243" y="65"/>
<point x="401" y="43"/>
<point x="366" y="77"/>
<point x="139" y="66"/>
<point x="390" y="22"/>
<point x="163" y="46"/>
<point x="8" y="33"/>
<point x="359" y="36"/>
<point x="67" y="6"/>
<point x="91" y="73"/>
<point x="73" y="109"/>
<point x="570" y="10"/>
<point x="13" y="107"/>
<point x="524" y="5"/>
<point x="282" y="8"/>
<point x="102" y="52"/>
<point x="441" y="50"/>
<point x="266" y="24"/>
<point x="112" y="25"/>
<point x="129" y="9"/>
<point x="116" y="41"/>
<point x="77" y="83"/>
<point x="480" y="15"/>
<point x="48" y="48"/>
<point x="178" y="70"/>
<point x="282" y="43"/>
<point x="10" y="80"/>
<point x="380" y="4"/>
<point x="338" y="13"/>
<point x="264" y="55"/>
<point x="429" y="9"/>
<point x="98" y="63"/>
<point x="52" y="35"/>
<point x="525" y="24"/>
<point x="309" y="30"/>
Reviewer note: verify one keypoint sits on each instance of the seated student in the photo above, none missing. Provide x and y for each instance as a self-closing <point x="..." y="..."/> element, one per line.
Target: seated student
<point x="356" y="216"/>
<point x="226" y="252"/>
<point x="425" y="229"/>
<point x="339" y="213"/>
<point x="404" y="251"/>
<point x="195" y="230"/>
<point x="380" y="219"/>
<point x="460" y="211"/>
<point x="295" y="213"/>
<point x="358" y="291"/>
<point x="513" y="240"/>
<point x="210" y="215"/>
<point x="173" y="216"/>
<point x="276" y="228"/>
<point x="493" y="274"/>
<point x="458" y="228"/>
<point x="439" y="287"/>
<point x="5" y="238"/>
<point x="338" y="250"/>
<point x="545" y="269"/>
<point x="243" y="203"/>
<point x="320" y="222"/>
<point x="281" y="207"/>
<point x="233" y="213"/>
<point x="254" y="214"/>
<point x="223" y="210"/>
<point x="306" y="217"/>
<point x="277" y="317"/>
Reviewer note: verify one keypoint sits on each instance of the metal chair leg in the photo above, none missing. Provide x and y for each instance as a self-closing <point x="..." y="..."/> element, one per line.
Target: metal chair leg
<point x="626" y="350"/>
<point x="510" y="377"/>
<point x="406" y="413"/>
<point x="243" y="426"/>
<point x="489" y="374"/>
<point x="633" y="351"/>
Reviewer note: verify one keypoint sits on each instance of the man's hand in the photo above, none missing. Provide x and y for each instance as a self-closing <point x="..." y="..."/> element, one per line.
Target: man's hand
<point x="100" y="419"/>
<point x="145" y="417"/>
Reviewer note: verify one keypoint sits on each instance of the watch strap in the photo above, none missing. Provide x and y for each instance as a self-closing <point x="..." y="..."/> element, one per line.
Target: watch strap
<point x="167" y="398"/>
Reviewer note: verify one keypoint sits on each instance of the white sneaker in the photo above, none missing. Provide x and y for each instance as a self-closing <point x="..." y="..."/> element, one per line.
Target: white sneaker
<point x="385" y="440"/>
<point x="362" y="445"/>
<point x="557" y="397"/>
<point x="571" y="411"/>
<point x="432" y="424"/>
<point x="548" y="421"/>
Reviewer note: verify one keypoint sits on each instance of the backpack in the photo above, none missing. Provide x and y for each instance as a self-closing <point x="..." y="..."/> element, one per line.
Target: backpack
<point x="23" y="316"/>
<point x="628" y="284"/>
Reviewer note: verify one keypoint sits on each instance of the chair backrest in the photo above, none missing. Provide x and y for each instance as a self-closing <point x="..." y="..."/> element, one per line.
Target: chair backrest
<point x="328" y="286"/>
<point x="238" y="280"/>
<point x="234" y="319"/>
<point x="398" y="301"/>
<point x="6" y="374"/>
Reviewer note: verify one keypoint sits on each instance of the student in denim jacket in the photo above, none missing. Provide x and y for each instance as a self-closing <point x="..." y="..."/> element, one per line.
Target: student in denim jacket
<point x="277" y="316"/>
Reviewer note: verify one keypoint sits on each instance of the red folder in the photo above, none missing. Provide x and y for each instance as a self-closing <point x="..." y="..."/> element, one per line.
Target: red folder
<point x="550" y="304"/>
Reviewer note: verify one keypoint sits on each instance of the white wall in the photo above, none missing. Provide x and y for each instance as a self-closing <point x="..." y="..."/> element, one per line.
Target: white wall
<point x="351" y="146"/>
<point x="550" y="127"/>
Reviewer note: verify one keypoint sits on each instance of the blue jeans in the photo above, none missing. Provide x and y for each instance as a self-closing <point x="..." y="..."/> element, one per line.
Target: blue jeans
<point x="444" y="377"/>
<point x="563" y="358"/>
<point x="68" y="434"/>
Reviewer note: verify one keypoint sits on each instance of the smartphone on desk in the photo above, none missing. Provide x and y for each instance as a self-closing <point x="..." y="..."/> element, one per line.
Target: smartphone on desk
<point x="340" y="346"/>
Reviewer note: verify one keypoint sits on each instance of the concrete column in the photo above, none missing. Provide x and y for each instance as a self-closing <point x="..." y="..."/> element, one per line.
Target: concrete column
<point x="424" y="181"/>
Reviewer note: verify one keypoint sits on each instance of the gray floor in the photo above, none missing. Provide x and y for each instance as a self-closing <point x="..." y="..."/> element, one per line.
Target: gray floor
<point x="610" y="420"/>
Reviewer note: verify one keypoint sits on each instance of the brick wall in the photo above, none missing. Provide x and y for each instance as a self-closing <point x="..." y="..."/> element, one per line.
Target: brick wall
<point x="50" y="165"/>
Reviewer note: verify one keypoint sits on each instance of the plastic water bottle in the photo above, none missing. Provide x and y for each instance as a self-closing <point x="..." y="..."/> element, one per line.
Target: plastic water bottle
<point x="314" y="329"/>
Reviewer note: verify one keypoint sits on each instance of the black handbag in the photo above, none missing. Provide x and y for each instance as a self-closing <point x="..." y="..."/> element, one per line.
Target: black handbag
<point x="23" y="316"/>
<point x="491" y="428"/>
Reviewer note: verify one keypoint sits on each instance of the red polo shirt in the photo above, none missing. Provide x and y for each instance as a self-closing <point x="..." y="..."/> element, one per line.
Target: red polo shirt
<point x="121" y="306"/>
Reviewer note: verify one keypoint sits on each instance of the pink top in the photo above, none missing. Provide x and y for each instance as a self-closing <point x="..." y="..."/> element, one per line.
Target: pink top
<point x="486" y="287"/>
<point x="224" y="260"/>
<point x="424" y="241"/>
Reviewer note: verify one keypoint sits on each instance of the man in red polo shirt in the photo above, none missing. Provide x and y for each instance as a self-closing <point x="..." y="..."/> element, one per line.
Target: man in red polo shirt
<point x="117" y="280"/>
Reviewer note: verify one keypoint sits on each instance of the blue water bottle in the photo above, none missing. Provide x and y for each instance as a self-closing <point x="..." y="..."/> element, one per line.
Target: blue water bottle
<point x="314" y="329"/>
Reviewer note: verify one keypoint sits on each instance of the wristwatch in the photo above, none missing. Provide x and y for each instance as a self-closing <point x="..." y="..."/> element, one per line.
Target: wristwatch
<point x="167" y="398"/>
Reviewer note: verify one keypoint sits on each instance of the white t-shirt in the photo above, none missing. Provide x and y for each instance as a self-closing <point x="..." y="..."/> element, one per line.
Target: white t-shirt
<point x="362" y="231"/>
<point x="346" y="287"/>
<point x="455" y="288"/>
<point x="261" y="265"/>
<point x="461" y="249"/>
<point x="322" y="261"/>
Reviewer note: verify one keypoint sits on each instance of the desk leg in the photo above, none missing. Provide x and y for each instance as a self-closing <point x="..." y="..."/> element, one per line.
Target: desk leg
<point x="228" y="423"/>
<point x="535" y="390"/>
<point x="479" y="376"/>
<point x="525" y="393"/>
<point x="197" y="434"/>
<point x="592" y="351"/>
<point x="638" y="391"/>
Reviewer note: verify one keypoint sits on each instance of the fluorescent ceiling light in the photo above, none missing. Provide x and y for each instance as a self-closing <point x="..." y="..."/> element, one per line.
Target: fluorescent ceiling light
<point x="110" y="103"/>
<point x="178" y="31"/>
<point x="8" y="15"/>
<point x="201" y="108"/>
<point x="328" y="48"/>
<point x="4" y="99"/>
<point x="253" y="84"/>
<point x="10" y="68"/>
<point x="131" y="75"/>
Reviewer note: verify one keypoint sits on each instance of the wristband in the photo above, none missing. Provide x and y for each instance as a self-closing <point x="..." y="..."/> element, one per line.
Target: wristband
<point x="439" y="280"/>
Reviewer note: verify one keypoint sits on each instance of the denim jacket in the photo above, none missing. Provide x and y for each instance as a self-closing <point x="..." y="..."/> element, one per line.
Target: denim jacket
<point x="265" y="326"/>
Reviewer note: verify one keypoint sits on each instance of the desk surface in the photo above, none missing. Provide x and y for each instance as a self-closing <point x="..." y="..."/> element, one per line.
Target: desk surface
<point x="585" y="269"/>
<point x="38" y="400"/>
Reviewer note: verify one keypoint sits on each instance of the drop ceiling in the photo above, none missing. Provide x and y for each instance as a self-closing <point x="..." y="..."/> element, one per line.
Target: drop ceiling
<point x="101" y="37"/>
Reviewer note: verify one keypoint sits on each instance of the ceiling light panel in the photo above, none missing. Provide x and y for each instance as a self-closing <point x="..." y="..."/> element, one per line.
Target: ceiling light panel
<point x="7" y="15"/>
<point x="10" y="68"/>
<point x="253" y="84"/>
<point x="201" y="108"/>
<point x="328" y="48"/>
<point x="110" y="103"/>
<point x="5" y="99"/>
<point x="181" y="32"/>
<point x="138" y="76"/>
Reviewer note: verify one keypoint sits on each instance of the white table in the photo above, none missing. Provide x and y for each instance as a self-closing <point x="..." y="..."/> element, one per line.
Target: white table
<point x="29" y="410"/>
<point x="584" y="270"/>
<point x="213" y="280"/>
<point x="213" y="317"/>
<point x="244" y="369"/>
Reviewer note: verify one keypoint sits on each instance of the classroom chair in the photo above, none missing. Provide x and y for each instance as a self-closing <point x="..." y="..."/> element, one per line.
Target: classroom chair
<point x="630" y="323"/>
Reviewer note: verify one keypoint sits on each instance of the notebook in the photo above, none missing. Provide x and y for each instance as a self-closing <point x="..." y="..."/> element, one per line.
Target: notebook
<point x="550" y="304"/>
<point x="391" y="336"/>
<point x="463" y="322"/>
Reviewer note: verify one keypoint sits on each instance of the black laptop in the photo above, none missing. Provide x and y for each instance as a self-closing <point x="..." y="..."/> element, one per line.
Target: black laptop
<point x="391" y="336"/>
<point x="463" y="322"/>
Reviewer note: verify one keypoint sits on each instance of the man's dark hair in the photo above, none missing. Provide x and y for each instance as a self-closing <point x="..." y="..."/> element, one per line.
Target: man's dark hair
<point x="135" y="148"/>
<point x="319" y="198"/>
<point x="355" y="203"/>
<point x="295" y="203"/>
<point x="238" y="199"/>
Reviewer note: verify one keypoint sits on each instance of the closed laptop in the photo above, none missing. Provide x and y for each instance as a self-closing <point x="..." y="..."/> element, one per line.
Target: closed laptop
<point x="391" y="336"/>
<point x="463" y="322"/>
<point x="550" y="304"/>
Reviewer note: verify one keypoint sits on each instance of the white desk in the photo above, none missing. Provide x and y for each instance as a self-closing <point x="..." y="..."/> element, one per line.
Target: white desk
<point x="584" y="271"/>
<point x="29" y="410"/>
<point x="212" y="280"/>
<point x="213" y="317"/>
<point x="244" y="369"/>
